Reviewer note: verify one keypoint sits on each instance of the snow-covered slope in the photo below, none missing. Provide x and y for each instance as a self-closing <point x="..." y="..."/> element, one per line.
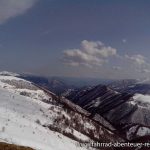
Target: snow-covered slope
<point x="21" y="118"/>
<point x="20" y="123"/>
<point x="142" y="99"/>
<point x="31" y="117"/>
<point x="6" y="73"/>
<point x="22" y="87"/>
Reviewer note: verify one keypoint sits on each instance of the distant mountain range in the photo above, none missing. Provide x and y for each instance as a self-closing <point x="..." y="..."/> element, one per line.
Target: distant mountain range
<point x="59" y="85"/>
<point x="131" y="86"/>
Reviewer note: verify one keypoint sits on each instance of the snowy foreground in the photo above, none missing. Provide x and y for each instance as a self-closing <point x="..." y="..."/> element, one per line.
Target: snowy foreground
<point x="22" y="114"/>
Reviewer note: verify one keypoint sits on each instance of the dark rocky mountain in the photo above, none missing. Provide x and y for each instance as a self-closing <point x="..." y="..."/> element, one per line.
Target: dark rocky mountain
<point x="139" y="88"/>
<point x="122" y="85"/>
<point x="131" y="86"/>
<point x="118" y="108"/>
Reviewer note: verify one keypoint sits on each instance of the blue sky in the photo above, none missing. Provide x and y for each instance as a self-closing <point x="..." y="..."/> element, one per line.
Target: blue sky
<point x="81" y="38"/>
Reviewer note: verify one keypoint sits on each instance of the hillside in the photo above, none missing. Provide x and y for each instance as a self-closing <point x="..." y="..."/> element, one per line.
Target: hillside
<point x="41" y="120"/>
<point x="128" y="113"/>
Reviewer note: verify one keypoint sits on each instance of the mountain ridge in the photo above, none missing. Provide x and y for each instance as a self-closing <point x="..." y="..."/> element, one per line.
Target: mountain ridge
<point x="40" y="114"/>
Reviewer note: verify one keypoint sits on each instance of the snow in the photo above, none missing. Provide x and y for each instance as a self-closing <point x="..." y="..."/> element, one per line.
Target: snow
<point x="132" y="102"/>
<point x="8" y="82"/>
<point x="35" y="94"/>
<point x="22" y="119"/>
<point x="131" y="131"/>
<point x="6" y="73"/>
<point x="89" y="126"/>
<point x="3" y="77"/>
<point x="145" y="81"/>
<point x="81" y="136"/>
<point x="142" y="98"/>
<point x="18" y="122"/>
<point x="142" y="131"/>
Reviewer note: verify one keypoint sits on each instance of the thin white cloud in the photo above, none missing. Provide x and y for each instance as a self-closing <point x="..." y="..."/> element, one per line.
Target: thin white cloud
<point x="136" y="59"/>
<point x="139" y="62"/>
<point x="97" y="49"/>
<point x="90" y="54"/>
<point x="13" y="8"/>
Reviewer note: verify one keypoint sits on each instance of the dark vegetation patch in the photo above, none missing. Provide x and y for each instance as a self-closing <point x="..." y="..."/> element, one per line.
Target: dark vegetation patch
<point x="6" y="146"/>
